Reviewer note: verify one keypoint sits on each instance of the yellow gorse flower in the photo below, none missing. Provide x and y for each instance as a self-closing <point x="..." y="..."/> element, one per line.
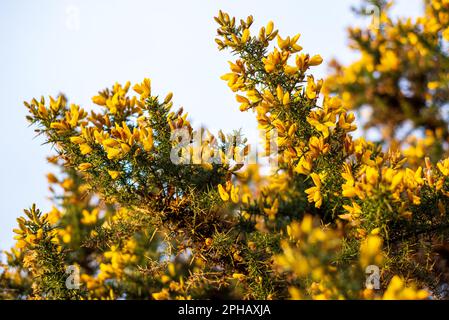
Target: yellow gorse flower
<point x="229" y="192"/>
<point x="144" y="89"/>
<point x="314" y="193"/>
<point x="443" y="166"/>
<point x="397" y="290"/>
<point x="89" y="217"/>
<point x="371" y="251"/>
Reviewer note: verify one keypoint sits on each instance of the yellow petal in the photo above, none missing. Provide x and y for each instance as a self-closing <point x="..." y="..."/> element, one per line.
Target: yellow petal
<point x="114" y="174"/>
<point x="269" y="28"/>
<point x="223" y="194"/>
<point x="245" y="35"/>
<point x="315" y="60"/>
<point x="99" y="100"/>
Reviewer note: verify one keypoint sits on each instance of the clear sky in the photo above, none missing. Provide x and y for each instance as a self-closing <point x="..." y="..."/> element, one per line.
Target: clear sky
<point x="80" y="47"/>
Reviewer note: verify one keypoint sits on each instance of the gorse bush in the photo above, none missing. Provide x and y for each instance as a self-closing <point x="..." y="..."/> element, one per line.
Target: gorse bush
<point x="148" y="207"/>
<point x="402" y="73"/>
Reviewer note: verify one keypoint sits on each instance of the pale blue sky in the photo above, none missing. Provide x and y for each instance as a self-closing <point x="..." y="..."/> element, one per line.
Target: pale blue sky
<point x="80" y="47"/>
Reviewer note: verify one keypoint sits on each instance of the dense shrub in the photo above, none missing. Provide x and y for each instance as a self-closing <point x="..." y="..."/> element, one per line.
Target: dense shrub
<point x="144" y="210"/>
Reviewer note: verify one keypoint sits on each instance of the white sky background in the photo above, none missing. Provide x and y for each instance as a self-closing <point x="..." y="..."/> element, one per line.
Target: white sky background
<point x="80" y="47"/>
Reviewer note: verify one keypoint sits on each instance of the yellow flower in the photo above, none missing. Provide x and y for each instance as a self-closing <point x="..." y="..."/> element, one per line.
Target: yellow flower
<point x="270" y="27"/>
<point x="446" y="34"/>
<point x="146" y="137"/>
<point x="229" y="192"/>
<point x="113" y="153"/>
<point x="318" y="146"/>
<point x="208" y="242"/>
<point x="314" y="193"/>
<point x="162" y="295"/>
<point x="302" y="62"/>
<point x="397" y="179"/>
<point x="52" y="178"/>
<point x="110" y="143"/>
<point x="58" y="126"/>
<point x="74" y="115"/>
<point x="77" y="140"/>
<point x="239" y="276"/>
<point x="274" y="59"/>
<point x="67" y="184"/>
<point x="168" y="97"/>
<point x="254" y="96"/>
<point x="85" y="149"/>
<point x="316" y="60"/>
<point x="54" y="215"/>
<point x="354" y="211"/>
<point x="21" y="244"/>
<point x="246" y="198"/>
<point x="271" y="212"/>
<point x="372" y="175"/>
<point x="389" y="61"/>
<point x="235" y="194"/>
<point x="245" y="104"/>
<point x="397" y="290"/>
<point x="55" y="105"/>
<point x="144" y="89"/>
<point x="245" y="35"/>
<point x="290" y="70"/>
<point x="234" y="81"/>
<point x="66" y="234"/>
<point x="432" y="85"/>
<point x="320" y="125"/>
<point x="345" y="122"/>
<point x="85" y="166"/>
<point x="371" y="251"/>
<point x="89" y="217"/>
<point x="114" y="174"/>
<point x="443" y="166"/>
<point x="286" y="99"/>
<point x="288" y="44"/>
<point x="313" y="89"/>
<point x="223" y="194"/>
<point x="99" y="100"/>
<point x="283" y="44"/>
<point x="304" y="166"/>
